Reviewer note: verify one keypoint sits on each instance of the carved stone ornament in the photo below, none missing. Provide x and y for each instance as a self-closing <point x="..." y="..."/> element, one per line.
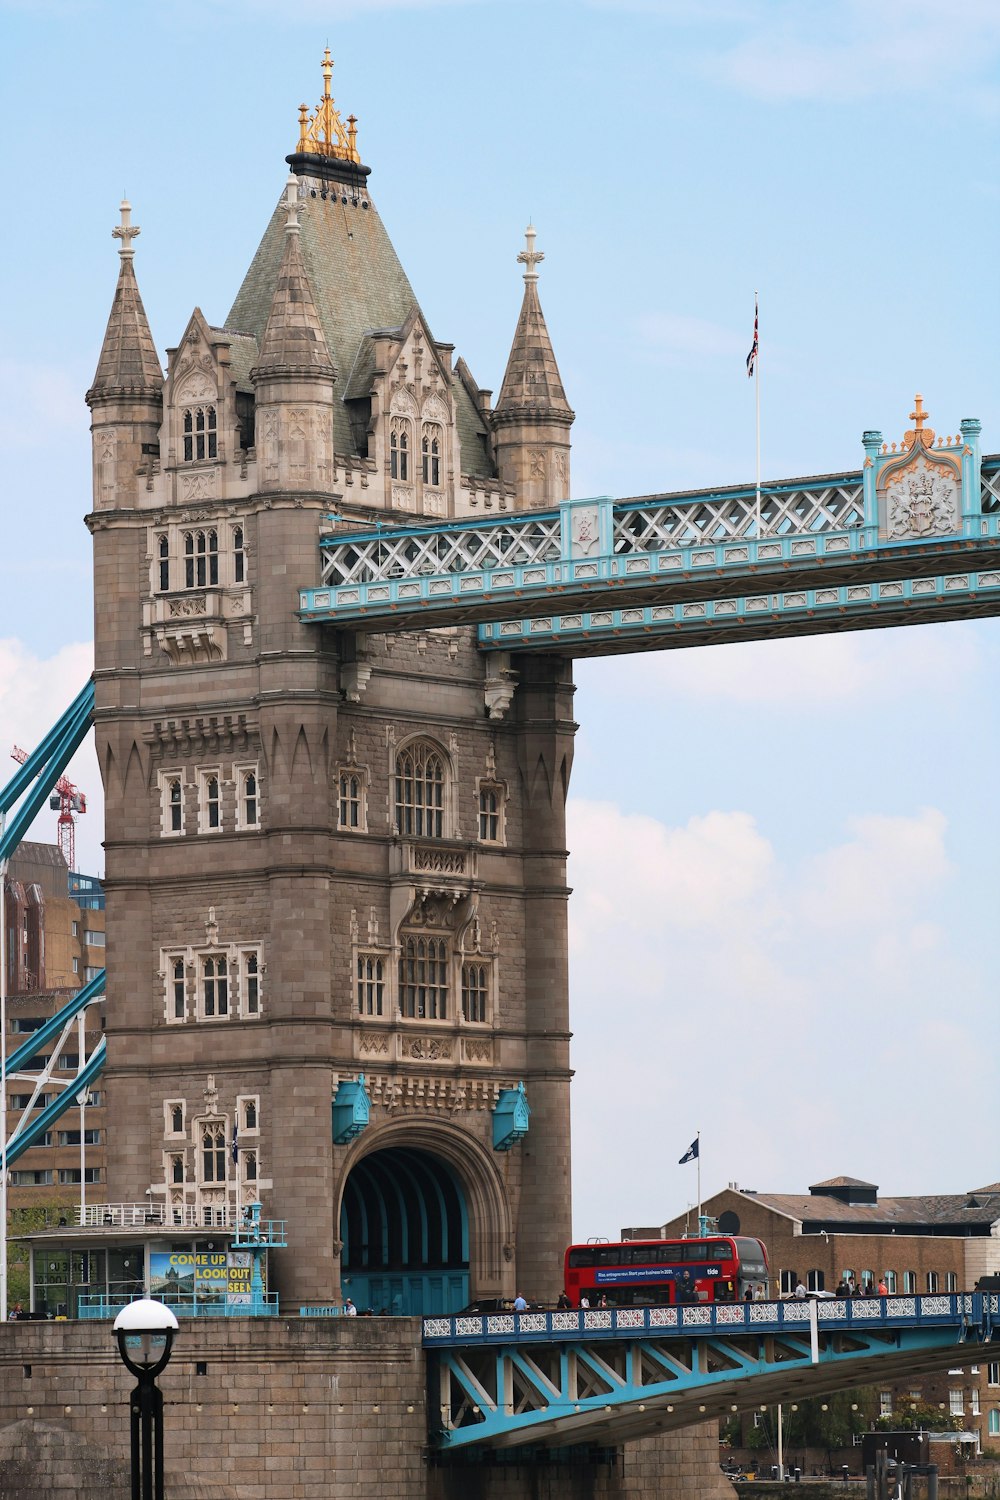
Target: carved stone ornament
<point x="923" y="500"/>
<point x="196" y="387"/>
<point x="585" y="531"/>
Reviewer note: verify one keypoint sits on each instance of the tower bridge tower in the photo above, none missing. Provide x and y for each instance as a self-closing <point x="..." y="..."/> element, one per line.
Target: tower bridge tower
<point x="335" y="861"/>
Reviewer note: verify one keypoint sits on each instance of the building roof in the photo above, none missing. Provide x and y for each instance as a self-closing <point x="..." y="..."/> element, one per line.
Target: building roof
<point x="293" y="341"/>
<point x="936" y="1211"/>
<point x="358" y="285"/>
<point x="532" y="385"/>
<point x="128" y="361"/>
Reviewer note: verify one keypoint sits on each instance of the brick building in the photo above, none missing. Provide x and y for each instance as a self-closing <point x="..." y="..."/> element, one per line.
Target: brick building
<point x="842" y="1228"/>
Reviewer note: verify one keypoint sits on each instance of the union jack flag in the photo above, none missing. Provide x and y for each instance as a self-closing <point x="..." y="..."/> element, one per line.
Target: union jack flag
<point x="752" y="356"/>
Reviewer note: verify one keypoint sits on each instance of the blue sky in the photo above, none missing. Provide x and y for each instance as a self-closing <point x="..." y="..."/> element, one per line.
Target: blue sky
<point x="784" y="856"/>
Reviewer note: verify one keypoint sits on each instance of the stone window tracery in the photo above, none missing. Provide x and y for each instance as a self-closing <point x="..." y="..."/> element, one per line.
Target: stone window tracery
<point x="200" y="433"/>
<point x="420" y="784"/>
<point x="178" y="989"/>
<point x="214" y="986"/>
<point x="163" y="556"/>
<point x="399" y="448"/>
<point x="475" y="991"/>
<point x="423" y="978"/>
<point x="250" y="982"/>
<point x="430" y="454"/>
<point x="247" y="798"/>
<point x="171" y="804"/>
<point x="351" y="801"/>
<point x="201" y="559"/>
<point x="225" y="984"/>
<point x="370" y="974"/>
<point x="213" y="1152"/>
<point x="209" y="802"/>
<point x="491" y="813"/>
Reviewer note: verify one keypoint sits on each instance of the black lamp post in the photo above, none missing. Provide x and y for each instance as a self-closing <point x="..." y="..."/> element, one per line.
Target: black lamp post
<point x="145" y="1331"/>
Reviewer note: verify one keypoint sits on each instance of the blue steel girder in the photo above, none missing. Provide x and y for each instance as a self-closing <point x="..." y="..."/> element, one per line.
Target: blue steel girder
<point x="598" y="575"/>
<point x="579" y="1377"/>
<point x="32" y="1124"/>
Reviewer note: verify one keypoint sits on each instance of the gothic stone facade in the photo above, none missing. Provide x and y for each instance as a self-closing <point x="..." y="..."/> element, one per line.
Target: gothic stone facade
<point x="327" y="854"/>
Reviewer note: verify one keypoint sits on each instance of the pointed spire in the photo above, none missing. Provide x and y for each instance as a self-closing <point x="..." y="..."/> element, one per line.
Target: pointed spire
<point x="532" y="385"/>
<point x="128" y="362"/>
<point x="293" y="342"/>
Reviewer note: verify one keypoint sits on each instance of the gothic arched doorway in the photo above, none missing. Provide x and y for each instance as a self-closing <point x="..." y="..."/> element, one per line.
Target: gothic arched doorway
<point x="404" y="1228"/>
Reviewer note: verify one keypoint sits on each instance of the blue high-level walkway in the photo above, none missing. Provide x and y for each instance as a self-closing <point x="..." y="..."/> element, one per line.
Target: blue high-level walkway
<point x="600" y="576"/>
<point x="555" y="1378"/>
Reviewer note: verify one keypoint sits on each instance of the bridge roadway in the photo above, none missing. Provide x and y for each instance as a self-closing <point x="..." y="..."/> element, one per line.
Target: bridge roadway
<point x="599" y="576"/>
<point x="556" y="1378"/>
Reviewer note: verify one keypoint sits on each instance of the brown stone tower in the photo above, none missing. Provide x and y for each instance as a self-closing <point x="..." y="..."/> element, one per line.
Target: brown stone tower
<point x="328" y="854"/>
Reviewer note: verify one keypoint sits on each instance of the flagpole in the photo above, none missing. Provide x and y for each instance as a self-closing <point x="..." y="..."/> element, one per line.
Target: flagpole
<point x="698" y="1159"/>
<point x="756" y="381"/>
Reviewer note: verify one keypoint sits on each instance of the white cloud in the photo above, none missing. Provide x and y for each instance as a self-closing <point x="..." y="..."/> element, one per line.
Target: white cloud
<point x="34" y="692"/>
<point x="831" y="670"/>
<point x="790" y="1010"/>
<point x="849" y="49"/>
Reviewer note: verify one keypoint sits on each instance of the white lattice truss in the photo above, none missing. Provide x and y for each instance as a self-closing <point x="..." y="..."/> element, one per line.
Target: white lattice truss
<point x="656" y="523"/>
<point x="536" y="539"/>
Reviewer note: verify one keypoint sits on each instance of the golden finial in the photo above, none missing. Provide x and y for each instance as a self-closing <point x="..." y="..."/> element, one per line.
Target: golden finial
<point x="324" y="133"/>
<point x="919" y="432"/>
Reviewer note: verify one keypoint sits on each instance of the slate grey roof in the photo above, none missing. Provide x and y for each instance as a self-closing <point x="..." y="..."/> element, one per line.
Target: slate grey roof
<point x="934" y="1210"/>
<point x="243" y="353"/>
<point x="358" y="285"/>
<point x="293" y="340"/>
<point x="844" y="1182"/>
<point x="128" y="359"/>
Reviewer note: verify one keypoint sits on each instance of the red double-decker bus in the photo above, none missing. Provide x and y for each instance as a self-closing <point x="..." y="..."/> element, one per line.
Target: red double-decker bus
<point x="658" y="1273"/>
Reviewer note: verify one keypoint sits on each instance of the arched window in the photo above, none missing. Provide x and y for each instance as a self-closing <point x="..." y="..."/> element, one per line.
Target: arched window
<point x="371" y="984"/>
<point x="250" y="1115"/>
<point x="180" y="1009"/>
<point x="201" y="559"/>
<point x="475" y="993"/>
<point x="163" y="552"/>
<point x="239" y="556"/>
<point x="215" y="986"/>
<point x="177" y="1169"/>
<point x="909" y="1281"/>
<point x="423" y="979"/>
<point x="213" y="1153"/>
<point x="420" y="791"/>
<point x="430" y="453"/>
<point x="250" y="1166"/>
<point x="175" y="804"/>
<point x="213" y="814"/>
<point x="200" y="433"/>
<point x="399" y="448"/>
<point x="248" y="799"/>
<point x="251" y="984"/>
<point x="816" y="1281"/>
<point x="351" y="793"/>
<point x="177" y="1119"/>
<point x="490" y="813"/>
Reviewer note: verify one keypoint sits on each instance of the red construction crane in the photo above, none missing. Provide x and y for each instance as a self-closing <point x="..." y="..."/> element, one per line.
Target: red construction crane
<point x="68" y="801"/>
